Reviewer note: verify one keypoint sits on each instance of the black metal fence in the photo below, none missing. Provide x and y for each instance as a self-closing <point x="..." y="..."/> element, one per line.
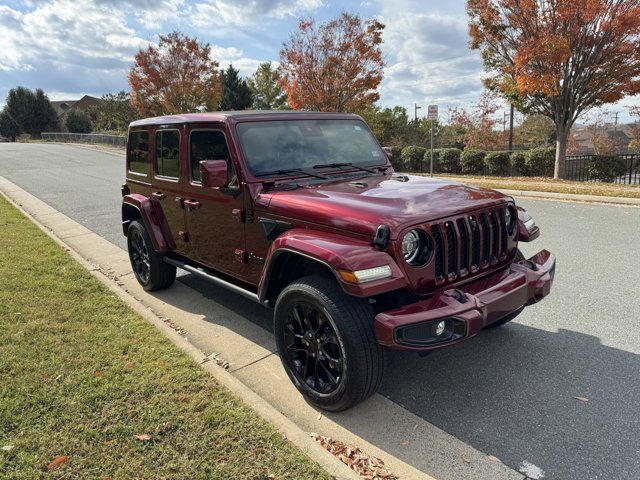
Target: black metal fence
<point x="576" y="166"/>
<point x="92" y="138"/>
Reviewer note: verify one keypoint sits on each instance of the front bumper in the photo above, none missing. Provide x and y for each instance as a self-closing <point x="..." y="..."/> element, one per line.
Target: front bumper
<point x="468" y="308"/>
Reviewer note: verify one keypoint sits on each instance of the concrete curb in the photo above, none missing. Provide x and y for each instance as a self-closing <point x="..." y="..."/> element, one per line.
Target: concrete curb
<point x="292" y="432"/>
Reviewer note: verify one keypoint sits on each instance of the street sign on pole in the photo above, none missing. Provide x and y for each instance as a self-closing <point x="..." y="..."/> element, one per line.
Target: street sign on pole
<point x="432" y="116"/>
<point x="432" y="113"/>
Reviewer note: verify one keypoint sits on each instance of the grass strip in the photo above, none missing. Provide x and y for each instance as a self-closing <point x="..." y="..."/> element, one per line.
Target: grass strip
<point x="89" y="389"/>
<point x="543" y="184"/>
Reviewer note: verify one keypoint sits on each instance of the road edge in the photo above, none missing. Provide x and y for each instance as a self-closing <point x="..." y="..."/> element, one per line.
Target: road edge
<point x="288" y="428"/>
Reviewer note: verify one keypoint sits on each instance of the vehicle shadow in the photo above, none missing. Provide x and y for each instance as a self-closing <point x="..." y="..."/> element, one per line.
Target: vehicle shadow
<point x="509" y="392"/>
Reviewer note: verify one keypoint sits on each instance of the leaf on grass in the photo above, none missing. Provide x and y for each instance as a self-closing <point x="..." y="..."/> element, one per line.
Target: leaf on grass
<point x="7" y="448"/>
<point x="128" y="365"/>
<point x="582" y="399"/>
<point x="144" y="437"/>
<point x="184" y="399"/>
<point x="97" y="373"/>
<point x="56" y="462"/>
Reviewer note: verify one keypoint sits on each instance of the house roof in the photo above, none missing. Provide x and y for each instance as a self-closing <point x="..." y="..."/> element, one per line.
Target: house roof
<point x="61" y="106"/>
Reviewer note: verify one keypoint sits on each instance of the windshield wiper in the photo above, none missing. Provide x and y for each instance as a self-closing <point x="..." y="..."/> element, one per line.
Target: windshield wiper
<point x="343" y="164"/>
<point x="286" y="171"/>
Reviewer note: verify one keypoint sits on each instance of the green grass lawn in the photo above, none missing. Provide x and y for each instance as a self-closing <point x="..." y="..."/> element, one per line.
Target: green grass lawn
<point x="91" y="386"/>
<point x="543" y="184"/>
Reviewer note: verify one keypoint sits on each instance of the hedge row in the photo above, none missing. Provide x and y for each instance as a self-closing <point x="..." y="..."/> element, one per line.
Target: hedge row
<point x="534" y="162"/>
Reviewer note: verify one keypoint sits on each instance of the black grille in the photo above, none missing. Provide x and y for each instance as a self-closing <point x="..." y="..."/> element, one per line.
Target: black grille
<point x="451" y="249"/>
<point x="439" y="249"/>
<point x="475" y="242"/>
<point x="464" y="246"/>
<point x="486" y="238"/>
<point x="472" y="243"/>
<point x="495" y="236"/>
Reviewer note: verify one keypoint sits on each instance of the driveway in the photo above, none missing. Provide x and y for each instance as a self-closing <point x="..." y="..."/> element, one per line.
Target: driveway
<point x="511" y="393"/>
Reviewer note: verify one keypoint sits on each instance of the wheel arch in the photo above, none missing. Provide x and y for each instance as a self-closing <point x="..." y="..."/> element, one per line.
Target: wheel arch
<point x="300" y="252"/>
<point x="136" y="206"/>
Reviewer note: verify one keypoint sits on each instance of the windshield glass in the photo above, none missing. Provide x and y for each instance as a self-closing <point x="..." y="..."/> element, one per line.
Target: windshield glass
<point x="270" y="146"/>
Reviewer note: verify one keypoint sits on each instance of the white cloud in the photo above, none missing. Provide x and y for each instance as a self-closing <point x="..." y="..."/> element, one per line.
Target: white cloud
<point x="232" y="13"/>
<point x="247" y="66"/>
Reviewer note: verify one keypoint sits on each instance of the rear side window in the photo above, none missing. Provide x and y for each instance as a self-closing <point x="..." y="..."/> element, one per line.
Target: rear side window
<point x="208" y="145"/>
<point x="139" y="152"/>
<point x="168" y="153"/>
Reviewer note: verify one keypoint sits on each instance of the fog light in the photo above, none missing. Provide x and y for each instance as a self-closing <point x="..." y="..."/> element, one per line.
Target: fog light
<point x="440" y="328"/>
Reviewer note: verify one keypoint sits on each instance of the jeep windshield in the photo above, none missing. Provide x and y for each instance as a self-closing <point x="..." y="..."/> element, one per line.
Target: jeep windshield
<point x="276" y="147"/>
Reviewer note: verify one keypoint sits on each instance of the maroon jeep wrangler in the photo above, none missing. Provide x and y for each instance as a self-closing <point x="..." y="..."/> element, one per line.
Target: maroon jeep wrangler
<point x="304" y="213"/>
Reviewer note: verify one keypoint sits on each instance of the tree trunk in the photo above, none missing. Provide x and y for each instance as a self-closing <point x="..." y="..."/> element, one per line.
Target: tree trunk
<point x="562" y="141"/>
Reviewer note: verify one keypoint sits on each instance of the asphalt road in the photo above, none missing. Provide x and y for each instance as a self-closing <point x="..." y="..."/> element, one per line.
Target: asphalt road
<point x="509" y="393"/>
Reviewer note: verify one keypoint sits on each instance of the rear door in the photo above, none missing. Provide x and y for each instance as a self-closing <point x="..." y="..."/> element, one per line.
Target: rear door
<point x="214" y="216"/>
<point x="168" y="180"/>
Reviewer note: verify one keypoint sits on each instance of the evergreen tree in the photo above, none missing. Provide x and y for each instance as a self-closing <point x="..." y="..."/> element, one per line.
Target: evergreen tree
<point x="9" y="128"/>
<point x="78" y="121"/>
<point x="235" y="92"/>
<point x="265" y="89"/>
<point x="20" y="103"/>
<point x="43" y="116"/>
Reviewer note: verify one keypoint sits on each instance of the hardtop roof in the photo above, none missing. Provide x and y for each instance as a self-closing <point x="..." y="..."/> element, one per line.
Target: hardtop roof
<point x="239" y="114"/>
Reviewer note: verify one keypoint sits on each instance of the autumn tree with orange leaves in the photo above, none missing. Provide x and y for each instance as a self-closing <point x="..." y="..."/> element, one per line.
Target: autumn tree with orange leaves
<point x="336" y="66"/>
<point x="176" y="76"/>
<point x="558" y="58"/>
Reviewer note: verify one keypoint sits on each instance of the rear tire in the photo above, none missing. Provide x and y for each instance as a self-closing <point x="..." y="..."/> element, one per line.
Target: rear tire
<point x="148" y="265"/>
<point x="327" y="343"/>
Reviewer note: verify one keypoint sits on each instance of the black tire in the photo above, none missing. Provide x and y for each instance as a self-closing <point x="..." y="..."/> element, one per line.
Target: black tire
<point x="519" y="256"/>
<point x="147" y="264"/>
<point x="351" y="320"/>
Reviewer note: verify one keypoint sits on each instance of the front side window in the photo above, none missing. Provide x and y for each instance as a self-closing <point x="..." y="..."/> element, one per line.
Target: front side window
<point x="139" y="152"/>
<point x="168" y="153"/>
<point x="209" y="145"/>
<point x="290" y="144"/>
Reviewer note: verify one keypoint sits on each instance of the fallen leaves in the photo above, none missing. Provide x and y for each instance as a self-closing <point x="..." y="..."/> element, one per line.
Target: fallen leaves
<point x="97" y="373"/>
<point x="7" y="448"/>
<point x="494" y="459"/>
<point x="144" y="437"/>
<point x="215" y="356"/>
<point x="370" y="468"/>
<point x="582" y="399"/>
<point x="56" y="462"/>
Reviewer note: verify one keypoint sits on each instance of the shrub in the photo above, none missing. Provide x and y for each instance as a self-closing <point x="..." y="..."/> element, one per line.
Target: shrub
<point x="540" y="161"/>
<point x="449" y="160"/>
<point x="498" y="163"/>
<point x="78" y="121"/>
<point x="412" y="158"/>
<point x="426" y="161"/>
<point x="606" y="167"/>
<point x="472" y="161"/>
<point x="519" y="163"/>
<point x="396" y="160"/>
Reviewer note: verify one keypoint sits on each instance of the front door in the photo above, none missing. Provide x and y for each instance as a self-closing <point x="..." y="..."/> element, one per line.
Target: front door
<point x="214" y="216"/>
<point x="168" y="181"/>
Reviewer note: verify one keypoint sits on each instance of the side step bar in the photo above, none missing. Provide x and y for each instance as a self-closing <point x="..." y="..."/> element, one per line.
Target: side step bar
<point x="213" y="279"/>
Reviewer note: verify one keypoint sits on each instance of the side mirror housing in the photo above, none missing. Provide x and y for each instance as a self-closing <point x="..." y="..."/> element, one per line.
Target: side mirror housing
<point x="388" y="152"/>
<point x="213" y="173"/>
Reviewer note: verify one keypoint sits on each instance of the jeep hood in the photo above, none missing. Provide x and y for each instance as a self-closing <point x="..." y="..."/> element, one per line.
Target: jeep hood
<point x="361" y="205"/>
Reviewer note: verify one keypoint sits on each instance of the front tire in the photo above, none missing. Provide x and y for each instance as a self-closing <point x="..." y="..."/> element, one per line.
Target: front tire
<point x="148" y="266"/>
<point x="327" y="343"/>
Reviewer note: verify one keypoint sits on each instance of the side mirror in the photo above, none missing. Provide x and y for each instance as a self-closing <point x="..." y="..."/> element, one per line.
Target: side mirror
<point x="213" y="173"/>
<point x="388" y="152"/>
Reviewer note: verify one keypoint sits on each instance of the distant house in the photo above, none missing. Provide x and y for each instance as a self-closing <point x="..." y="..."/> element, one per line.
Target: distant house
<point x="62" y="107"/>
<point x="617" y="135"/>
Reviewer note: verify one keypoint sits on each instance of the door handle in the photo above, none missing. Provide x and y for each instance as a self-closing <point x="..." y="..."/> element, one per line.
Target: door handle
<point x="191" y="204"/>
<point x="158" y="195"/>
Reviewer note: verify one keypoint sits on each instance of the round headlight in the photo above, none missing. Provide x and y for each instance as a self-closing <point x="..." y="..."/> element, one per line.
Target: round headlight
<point x="411" y="246"/>
<point x="417" y="248"/>
<point x="510" y="219"/>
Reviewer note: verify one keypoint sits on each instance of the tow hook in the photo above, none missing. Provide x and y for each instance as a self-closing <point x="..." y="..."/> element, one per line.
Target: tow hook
<point x="460" y="296"/>
<point x="531" y="265"/>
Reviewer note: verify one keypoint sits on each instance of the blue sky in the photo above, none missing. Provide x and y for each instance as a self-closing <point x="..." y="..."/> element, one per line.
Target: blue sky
<point x="69" y="48"/>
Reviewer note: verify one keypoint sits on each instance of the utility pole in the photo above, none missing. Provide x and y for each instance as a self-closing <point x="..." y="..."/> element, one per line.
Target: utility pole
<point x="615" y="122"/>
<point x="415" y="112"/>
